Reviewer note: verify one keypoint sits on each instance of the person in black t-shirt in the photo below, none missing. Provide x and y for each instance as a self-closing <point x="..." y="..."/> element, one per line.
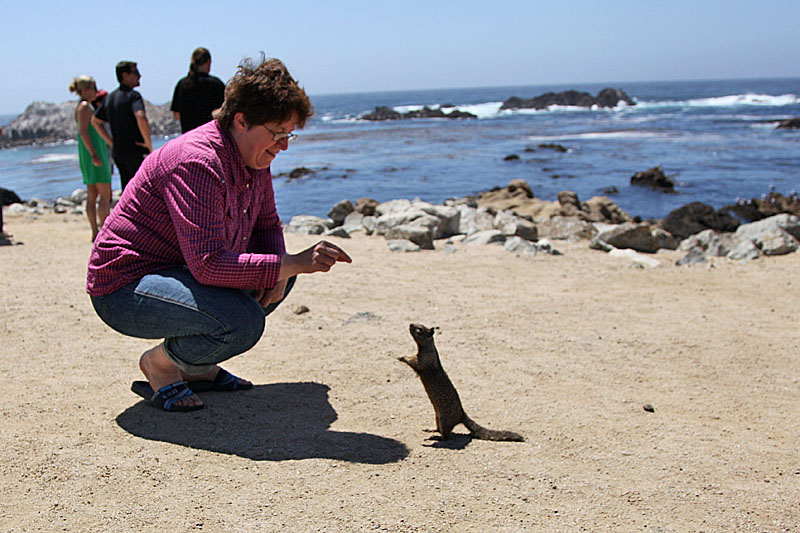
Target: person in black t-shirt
<point x="124" y="111"/>
<point x="197" y="94"/>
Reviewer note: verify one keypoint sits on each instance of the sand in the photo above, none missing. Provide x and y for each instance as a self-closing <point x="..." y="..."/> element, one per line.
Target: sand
<point x="563" y="349"/>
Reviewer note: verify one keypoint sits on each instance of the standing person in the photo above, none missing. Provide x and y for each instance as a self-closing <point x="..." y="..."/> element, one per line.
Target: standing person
<point x="194" y="252"/>
<point x="92" y="155"/>
<point x="198" y="93"/>
<point x="124" y="111"/>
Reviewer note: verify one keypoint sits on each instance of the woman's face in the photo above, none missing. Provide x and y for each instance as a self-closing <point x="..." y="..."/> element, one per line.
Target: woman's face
<point x="88" y="93"/>
<point x="257" y="143"/>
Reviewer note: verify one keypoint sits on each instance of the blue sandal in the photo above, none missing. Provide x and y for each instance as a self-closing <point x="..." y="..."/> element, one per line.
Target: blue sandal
<point x="223" y="382"/>
<point x="166" y="397"/>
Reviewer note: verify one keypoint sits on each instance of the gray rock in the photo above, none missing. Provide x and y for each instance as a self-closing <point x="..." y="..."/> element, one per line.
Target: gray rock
<point x="566" y="228"/>
<point x="511" y="225"/>
<point x="307" y="225"/>
<point x="392" y="206"/>
<point x="78" y="196"/>
<point x="776" y="241"/>
<point x="708" y="242"/>
<point x="353" y="222"/>
<point x="419" y="235"/>
<point x="486" y="237"/>
<point x="786" y="222"/>
<point x="370" y="223"/>
<point x="639" y="237"/>
<point x="338" y="231"/>
<point x="694" y="256"/>
<point x="401" y="245"/>
<point x="519" y="245"/>
<point x="744" y="251"/>
<point x="472" y="220"/>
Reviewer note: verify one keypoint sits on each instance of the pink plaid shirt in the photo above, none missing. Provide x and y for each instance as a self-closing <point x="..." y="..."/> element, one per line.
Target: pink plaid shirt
<point x="193" y="202"/>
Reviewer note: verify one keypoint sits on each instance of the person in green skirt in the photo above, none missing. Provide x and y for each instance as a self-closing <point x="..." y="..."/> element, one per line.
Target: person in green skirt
<point x="92" y="155"/>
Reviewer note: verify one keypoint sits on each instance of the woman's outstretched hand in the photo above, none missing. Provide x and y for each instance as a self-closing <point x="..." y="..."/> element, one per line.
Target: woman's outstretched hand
<point x="318" y="258"/>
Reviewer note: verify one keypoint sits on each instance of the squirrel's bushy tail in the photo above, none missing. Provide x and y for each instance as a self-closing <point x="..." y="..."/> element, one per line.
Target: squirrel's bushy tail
<point x="480" y="432"/>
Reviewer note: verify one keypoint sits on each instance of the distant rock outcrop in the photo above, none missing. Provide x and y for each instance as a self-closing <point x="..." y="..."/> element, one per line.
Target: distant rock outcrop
<point x="790" y="123"/>
<point x="48" y="122"/>
<point x="609" y="97"/>
<point x="387" y="113"/>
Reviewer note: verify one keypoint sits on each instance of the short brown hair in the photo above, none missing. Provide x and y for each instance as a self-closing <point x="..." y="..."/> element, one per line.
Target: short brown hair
<point x="264" y="92"/>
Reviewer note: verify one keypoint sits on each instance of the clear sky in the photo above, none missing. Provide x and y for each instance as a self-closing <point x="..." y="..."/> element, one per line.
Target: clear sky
<point x="369" y="45"/>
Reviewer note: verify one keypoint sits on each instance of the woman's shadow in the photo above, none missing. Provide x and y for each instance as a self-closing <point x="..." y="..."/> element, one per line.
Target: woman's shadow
<point x="271" y="422"/>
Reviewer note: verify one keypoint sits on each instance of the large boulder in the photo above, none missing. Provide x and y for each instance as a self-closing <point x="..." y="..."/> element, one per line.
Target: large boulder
<point x="696" y="217"/>
<point x="776" y="235"/>
<point x="640" y="237"/>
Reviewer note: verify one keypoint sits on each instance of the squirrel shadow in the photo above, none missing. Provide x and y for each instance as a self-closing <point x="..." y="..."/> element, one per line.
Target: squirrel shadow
<point x="273" y="422"/>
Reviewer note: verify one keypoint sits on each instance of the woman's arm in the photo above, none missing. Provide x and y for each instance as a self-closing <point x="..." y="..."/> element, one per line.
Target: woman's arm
<point x="84" y="118"/>
<point x="100" y="126"/>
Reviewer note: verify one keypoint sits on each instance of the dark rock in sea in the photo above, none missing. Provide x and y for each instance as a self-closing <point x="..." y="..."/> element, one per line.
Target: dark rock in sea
<point x="696" y="217"/>
<point x="556" y="147"/>
<point x="8" y="197"/>
<point x="655" y="179"/>
<point x="789" y="123"/>
<point x="387" y="113"/>
<point x="299" y="172"/>
<point x="609" y="97"/>
<point x="611" y="190"/>
<point x="511" y="157"/>
<point x="759" y="208"/>
<point x="44" y="122"/>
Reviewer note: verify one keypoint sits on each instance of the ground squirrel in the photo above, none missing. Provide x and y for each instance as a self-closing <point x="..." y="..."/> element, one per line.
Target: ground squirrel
<point x="442" y="393"/>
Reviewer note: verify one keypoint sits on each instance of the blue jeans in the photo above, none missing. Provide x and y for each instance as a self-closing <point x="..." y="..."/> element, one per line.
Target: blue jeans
<point x="202" y="325"/>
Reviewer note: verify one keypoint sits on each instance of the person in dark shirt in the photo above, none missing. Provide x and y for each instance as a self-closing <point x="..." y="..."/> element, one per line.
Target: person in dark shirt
<point x="124" y="111"/>
<point x="198" y="93"/>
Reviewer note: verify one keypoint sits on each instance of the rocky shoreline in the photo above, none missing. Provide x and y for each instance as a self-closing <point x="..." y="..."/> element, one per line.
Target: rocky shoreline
<point x="46" y="123"/>
<point x="512" y="217"/>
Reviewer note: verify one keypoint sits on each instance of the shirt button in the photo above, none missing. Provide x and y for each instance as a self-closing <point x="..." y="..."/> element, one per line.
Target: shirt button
<point x="248" y="185"/>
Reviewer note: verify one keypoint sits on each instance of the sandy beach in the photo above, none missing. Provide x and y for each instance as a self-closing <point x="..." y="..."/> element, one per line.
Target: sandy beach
<point x="563" y="349"/>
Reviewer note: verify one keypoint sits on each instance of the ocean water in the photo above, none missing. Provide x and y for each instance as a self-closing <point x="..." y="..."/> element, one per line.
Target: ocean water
<point x="717" y="139"/>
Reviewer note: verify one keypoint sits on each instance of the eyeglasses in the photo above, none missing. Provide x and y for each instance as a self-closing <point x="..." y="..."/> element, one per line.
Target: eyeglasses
<point x="278" y="137"/>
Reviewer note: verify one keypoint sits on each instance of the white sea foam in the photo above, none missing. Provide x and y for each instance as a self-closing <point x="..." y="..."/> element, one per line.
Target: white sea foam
<point x="599" y="135"/>
<point x="54" y="158"/>
<point x="484" y="110"/>
<point x="733" y="100"/>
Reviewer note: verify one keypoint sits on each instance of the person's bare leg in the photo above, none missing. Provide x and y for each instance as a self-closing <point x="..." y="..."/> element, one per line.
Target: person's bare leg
<point x="103" y="202"/>
<point x="91" y="208"/>
<point x="161" y="372"/>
